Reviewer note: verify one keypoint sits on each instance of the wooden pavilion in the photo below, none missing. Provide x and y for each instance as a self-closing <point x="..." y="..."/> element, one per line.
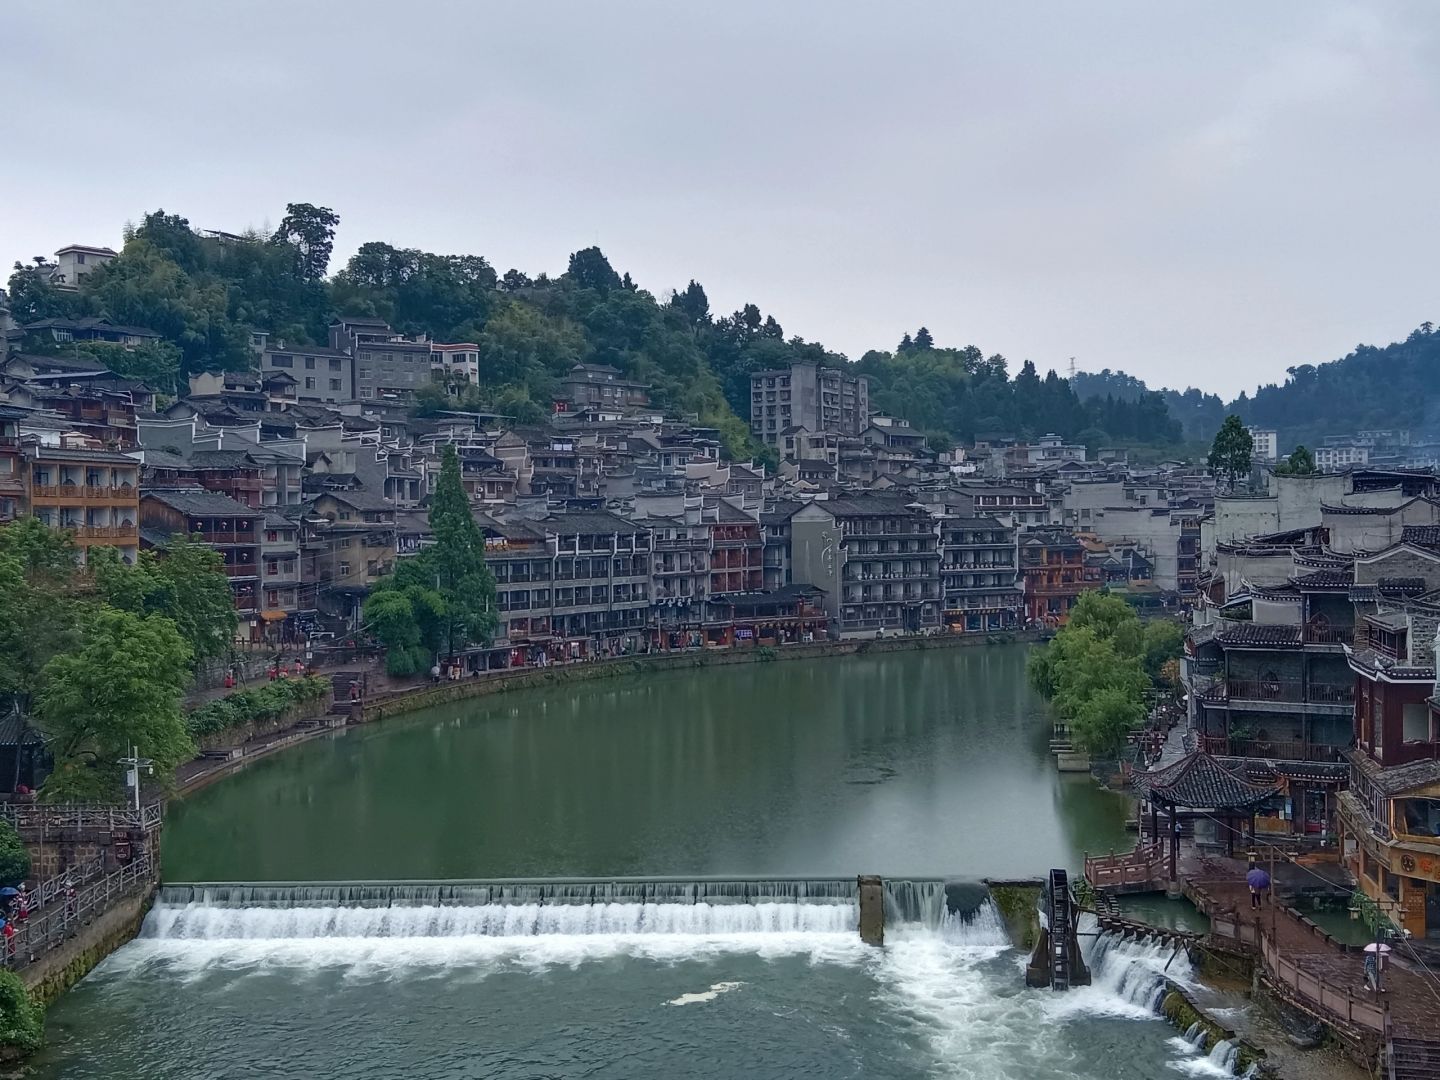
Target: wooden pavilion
<point x="1199" y="786"/>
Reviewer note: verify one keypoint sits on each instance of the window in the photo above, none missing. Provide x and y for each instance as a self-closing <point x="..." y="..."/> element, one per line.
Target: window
<point x="272" y="598"/>
<point x="309" y="363"/>
<point x="334" y="384"/>
<point x="334" y="363"/>
<point x="281" y="361"/>
<point x="344" y="569"/>
<point x="79" y="258"/>
<point x="309" y="382"/>
<point x="365" y="391"/>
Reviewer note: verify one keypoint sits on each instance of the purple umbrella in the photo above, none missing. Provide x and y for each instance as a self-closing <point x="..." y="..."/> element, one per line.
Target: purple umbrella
<point x="1257" y="879"/>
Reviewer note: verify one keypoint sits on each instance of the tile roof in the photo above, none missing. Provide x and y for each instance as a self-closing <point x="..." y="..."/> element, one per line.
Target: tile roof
<point x="1397" y="778"/>
<point x="1325" y="579"/>
<point x="1425" y="536"/>
<point x="1402" y="586"/>
<point x="197" y="502"/>
<point x="1199" y="781"/>
<point x="1243" y="634"/>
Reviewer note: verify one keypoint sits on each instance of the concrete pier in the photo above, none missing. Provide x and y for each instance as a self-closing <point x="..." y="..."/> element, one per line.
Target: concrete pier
<point x="872" y="909"/>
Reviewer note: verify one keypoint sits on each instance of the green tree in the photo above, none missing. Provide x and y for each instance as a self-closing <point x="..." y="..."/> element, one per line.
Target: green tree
<point x="693" y="304"/>
<point x="1301" y="462"/>
<point x="40" y="606"/>
<point x="187" y="585"/>
<point x="14" y="859"/>
<point x="923" y="340"/>
<point x="310" y="232"/>
<point x="590" y="269"/>
<point x="1103" y="720"/>
<point x="457" y="558"/>
<point x="1231" y="452"/>
<point x="120" y="687"/>
<point x="1164" y="642"/>
<point x="32" y="296"/>
<point x="22" y="1022"/>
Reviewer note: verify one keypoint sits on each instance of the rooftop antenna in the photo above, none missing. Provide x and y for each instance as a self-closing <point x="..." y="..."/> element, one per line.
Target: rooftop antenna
<point x="1072" y="369"/>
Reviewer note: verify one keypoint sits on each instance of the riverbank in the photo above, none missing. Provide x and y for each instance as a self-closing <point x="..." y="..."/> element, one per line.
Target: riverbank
<point x="209" y="768"/>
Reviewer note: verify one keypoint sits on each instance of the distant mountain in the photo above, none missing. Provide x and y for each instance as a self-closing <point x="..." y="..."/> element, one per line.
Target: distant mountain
<point x="1391" y="386"/>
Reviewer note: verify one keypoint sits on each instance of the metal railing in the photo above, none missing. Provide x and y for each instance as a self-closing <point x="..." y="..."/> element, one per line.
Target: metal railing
<point x="1314" y="989"/>
<point x="58" y="923"/>
<point x="1334" y="635"/>
<point x="49" y="818"/>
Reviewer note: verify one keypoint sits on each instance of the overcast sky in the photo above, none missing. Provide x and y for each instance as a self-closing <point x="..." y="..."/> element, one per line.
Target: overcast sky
<point x="1195" y="193"/>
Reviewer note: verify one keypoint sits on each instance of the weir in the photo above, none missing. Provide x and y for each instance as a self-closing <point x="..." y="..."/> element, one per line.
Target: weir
<point x="522" y="907"/>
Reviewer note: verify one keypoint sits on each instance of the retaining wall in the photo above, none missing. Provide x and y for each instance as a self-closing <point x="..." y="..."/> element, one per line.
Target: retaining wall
<point x="58" y="970"/>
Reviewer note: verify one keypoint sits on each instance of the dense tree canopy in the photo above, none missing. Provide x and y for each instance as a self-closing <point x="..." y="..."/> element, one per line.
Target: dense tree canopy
<point x="1231" y="452"/>
<point x="1097" y="670"/>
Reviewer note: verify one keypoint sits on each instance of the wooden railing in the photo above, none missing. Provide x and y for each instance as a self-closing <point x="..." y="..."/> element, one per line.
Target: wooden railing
<point x="59" y="922"/>
<point x="1144" y="864"/>
<point x="59" y="817"/>
<point x="1315" y="990"/>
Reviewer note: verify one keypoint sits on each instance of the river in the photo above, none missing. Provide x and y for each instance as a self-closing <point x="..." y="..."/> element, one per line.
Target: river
<point x="929" y="763"/>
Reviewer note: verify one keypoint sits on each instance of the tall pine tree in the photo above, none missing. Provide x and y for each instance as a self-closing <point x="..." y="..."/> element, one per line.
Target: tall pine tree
<point x="458" y="561"/>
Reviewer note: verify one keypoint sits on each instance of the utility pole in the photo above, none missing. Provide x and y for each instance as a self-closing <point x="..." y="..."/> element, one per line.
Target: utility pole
<point x="133" y="764"/>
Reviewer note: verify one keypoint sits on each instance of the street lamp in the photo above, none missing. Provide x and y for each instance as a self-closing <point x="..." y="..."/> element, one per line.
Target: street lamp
<point x="133" y="764"/>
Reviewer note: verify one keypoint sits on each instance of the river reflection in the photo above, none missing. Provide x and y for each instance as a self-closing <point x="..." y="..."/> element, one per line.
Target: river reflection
<point x="918" y="763"/>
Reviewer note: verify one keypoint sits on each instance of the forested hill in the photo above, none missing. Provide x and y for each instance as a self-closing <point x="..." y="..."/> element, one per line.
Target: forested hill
<point x="1391" y="386"/>
<point x="204" y="292"/>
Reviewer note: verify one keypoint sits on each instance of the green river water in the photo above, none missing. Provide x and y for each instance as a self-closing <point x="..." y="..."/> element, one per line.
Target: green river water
<point x="929" y="763"/>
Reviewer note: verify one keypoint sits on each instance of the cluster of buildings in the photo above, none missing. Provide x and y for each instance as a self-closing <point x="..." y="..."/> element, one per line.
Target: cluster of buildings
<point x="1311" y="661"/>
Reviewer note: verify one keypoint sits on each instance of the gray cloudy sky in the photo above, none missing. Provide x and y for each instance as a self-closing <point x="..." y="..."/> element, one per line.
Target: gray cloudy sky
<point x="1195" y="193"/>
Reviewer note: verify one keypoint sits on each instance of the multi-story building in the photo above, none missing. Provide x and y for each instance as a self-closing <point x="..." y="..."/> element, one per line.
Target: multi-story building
<point x="73" y="262"/>
<point x="737" y="550"/>
<point x="320" y="373"/>
<point x="775" y="526"/>
<point x="979" y="574"/>
<point x="455" y="366"/>
<point x="283" y="597"/>
<point x="877" y="558"/>
<point x="1267" y="444"/>
<point x="12" y="464"/>
<point x="1011" y="503"/>
<point x="598" y="386"/>
<point x="218" y="521"/>
<point x="1053" y="568"/>
<point x="578" y="578"/>
<point x="809" y="396"/>
<point x="680" y="571"/>
<point x="347" y="543"/>
<point x="1334" y="456"/>
<point x="387" y="364"/>
<point x="93" y="493"/>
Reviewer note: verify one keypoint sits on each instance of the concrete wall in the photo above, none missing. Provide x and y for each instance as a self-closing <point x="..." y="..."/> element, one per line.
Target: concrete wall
<point x="1159" y="534"/>
<point x="1277" y="612"/>
<point x="1401" y="562"/>
<point x="815" y="556"/>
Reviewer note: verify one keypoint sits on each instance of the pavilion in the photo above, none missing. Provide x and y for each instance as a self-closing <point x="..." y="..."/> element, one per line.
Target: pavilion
<point x="1199" y="786"/>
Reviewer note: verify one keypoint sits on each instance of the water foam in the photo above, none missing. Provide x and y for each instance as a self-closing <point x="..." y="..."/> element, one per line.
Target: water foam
<point x="1127" y="978"/>
<point x="716" y="989"/>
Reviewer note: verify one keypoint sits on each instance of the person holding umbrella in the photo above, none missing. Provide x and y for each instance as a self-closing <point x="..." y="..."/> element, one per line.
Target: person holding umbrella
<point x="1259" y="881"/>
<point x="1375" y="954"/>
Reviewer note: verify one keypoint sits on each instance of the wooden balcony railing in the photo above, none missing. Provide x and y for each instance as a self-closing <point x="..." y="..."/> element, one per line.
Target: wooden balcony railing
<point x="1277" y="749"/>
<point x="1332" y="635"/>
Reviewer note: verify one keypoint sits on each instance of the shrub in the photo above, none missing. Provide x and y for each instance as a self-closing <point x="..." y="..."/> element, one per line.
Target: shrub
<point x="22" y="1022"/>
<point x="14" y="859"/>
<point x="257" y="705"/>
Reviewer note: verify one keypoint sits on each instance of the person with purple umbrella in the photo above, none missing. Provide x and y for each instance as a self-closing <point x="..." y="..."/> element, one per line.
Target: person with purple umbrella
<point x="1259" y="881"/>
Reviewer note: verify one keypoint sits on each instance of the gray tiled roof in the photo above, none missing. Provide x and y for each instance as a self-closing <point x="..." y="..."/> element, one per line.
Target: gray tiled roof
<point x="197" y="502"/>
<point x="1199" y="781"/>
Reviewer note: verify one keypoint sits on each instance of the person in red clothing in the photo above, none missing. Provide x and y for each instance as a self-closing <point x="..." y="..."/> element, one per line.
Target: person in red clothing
<point x="22" y="903"/>
<point x="9" y="939"/>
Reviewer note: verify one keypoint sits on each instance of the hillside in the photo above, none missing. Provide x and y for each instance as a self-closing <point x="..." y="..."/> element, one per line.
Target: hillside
<point x="205" y="293"/>
<point x="1391" y="386"/>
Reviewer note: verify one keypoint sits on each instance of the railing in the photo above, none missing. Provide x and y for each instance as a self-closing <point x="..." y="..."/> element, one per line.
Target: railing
<point x="106" y="532"/>
<point x="1335" y="635"/>
<point x="58" y="924"/>
<point x="54" y="888"/>
<point x="59" y="817"/>
<point x="242" y="570"/>
<point x="1290" y="691"/>
<point x="1314" y="989"/>
<point x="1279" y="749"/>
<point x="1142" y="865"/>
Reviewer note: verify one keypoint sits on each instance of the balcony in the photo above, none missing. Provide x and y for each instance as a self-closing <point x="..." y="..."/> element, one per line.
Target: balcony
<point x="1328" y="635"/>
<point x="1281" y="691"/>
<point x="1276" y="749"/>
<point x="241" y="570"/>
<point x="223" y="539"/>
<point x="106" y="532"/>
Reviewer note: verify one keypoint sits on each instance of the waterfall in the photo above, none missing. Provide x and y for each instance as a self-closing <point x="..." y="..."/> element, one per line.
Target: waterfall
<point x="1128" y="976"/>
<point x="960" y="914"/>
<point x="1224" y="1054"/>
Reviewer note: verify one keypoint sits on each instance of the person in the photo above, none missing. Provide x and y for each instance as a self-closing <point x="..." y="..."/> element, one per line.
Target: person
<point x="9" y="925"/>
<point x="435" y="672"/>
<point x="70" y="901"/>
<point x="299" y="668"/>
<point x="22" y="903"/>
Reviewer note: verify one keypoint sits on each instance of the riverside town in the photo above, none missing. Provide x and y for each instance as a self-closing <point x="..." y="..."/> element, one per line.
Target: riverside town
<point x="413" y="667"/>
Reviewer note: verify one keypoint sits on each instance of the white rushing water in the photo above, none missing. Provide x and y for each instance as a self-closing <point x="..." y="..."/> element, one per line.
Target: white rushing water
<point x="954" y="977"/>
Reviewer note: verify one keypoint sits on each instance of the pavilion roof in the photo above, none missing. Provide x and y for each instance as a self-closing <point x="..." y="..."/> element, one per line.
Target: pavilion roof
<point x="1198" y="781"/>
